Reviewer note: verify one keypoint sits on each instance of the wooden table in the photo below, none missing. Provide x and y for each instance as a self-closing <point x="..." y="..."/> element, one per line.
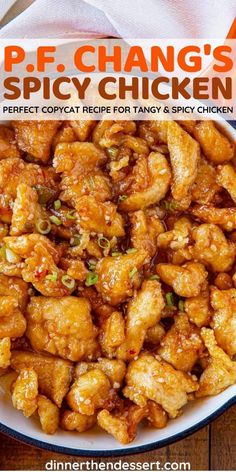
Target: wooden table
<point x="212" y="448"/>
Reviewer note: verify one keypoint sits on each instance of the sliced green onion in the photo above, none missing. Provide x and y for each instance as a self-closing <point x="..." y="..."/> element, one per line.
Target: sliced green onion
<point x="132" y="250"/>
<point x="133" y="272"/>
<point x="181" y="305"/>
<point x="91" y="279"/>
<point x="92" y="265"/>
<point x="45" y="194"/>
<point x="57" y="204"/>
<point x="54" y="219"/>
<point x="103" y="242"/>
<point x="122" y="198"/>
<point x="169" y="299"/>
<point x="116" y="253"/>
<point x="169" y="206"/>
<point x="68" y="281"/>
<point x="113" y="151"/>
<point x="43" y="226"/>
<point x="154" y="277"/>
<point x="76" y="240"/>
<point x="52" y="277"/>
<point x="70" y="215"/>
<point x="90" y="182"/>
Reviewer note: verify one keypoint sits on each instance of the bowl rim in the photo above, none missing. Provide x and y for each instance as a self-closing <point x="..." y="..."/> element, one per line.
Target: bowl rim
<point x="118" y="452"/>
<point x="229" y="128"/>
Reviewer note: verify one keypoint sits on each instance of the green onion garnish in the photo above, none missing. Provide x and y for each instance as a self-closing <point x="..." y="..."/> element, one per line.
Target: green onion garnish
<point x="57" y="204"/>
<point x="75" y="240"/>
<point x="133" y="272"/>
<point x="103" y="242"/>
<point x="68" y="281"/>
<point x="52" y="277"/>
<point x="181" y="305"/>
<point x="43" y="226"/>
<point x="154" y="277"/>
<point x="113" y="151"/>
<point x="91" y="279"/>
<point x="92" y="265"/>
<point x="122" y="198"/>
<point x="116" y="253"/>
<point x="132" y="250"/>
<point x="90" y="182"/>
<point x="70" y="215"/>
<point x="169" y="299"/>
<point x="54" y="219"/>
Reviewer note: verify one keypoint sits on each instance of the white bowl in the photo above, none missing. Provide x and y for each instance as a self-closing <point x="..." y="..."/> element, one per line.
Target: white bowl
<point x="98" y="443"/>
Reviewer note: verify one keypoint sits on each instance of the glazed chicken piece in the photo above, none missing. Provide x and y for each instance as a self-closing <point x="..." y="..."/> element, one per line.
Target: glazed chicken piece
<point x="145" y="229"/>
<point x="8" y="146"/>
<point x="198" y="308"/>
<point x="212" y="248"/>
<point x="90" y="392"/>
<point x="27" y="212"/>
<point x="216" y="146"/>
<point x="74" y="421"/>
<point x="62" y="327"/>
<point x="224" y="318"/>
<point x="48" y="415"/>
<point x="112" y="333"/>
<point x="220" y="371"/>
<point x="35" y="137"/>
<point x="186" y="280"/>
<point x="147" y="183"/>
<point x="15" y="171"/>
<point x="123" y="424"/>
<point x="225" y="218"/>
<point x="82" y="128"/>
<point x="80" y="165"/>
<point x="143" y="312"/>
<point x="182" y="345"/>
<point x="151" y="379"/>
<point x="54" y="374"/>
<point x="118" y="276"/>
<point x="98" y="217"/>
<point x="114" y="369"/>
<point x="206" y="185"/>
<point x="184" y="157"/>
<point x="12" y="321"/>
<point x="25" y="392"/>
<point x="5" y="353"/>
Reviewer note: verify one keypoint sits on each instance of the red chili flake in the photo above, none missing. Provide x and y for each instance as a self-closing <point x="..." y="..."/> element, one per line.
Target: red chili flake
<point x="132" y="351"/>
<point x="39" y="274"/>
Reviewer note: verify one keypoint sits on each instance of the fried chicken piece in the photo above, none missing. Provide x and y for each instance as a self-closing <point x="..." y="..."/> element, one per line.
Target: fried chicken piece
<point x="118" y="276"/>
<point x="220" y="372"/>
<point x="48" y="414"/>
<point x="184" y="157"/>
<point x="5" y="353"/>
<point x="212" y="248"/>
<point x="182" y="345"/>
<point x="148" y="378"/>
<point x="35" y="137"/>
<point x="54" y="374"/>
<point x="224" y="318"/>
<point x="25" y="392"/>
<point x="90" y="392"/>
<point x="143" y="312"/>
<point x="62" y="327"/>
<point x="147" y="184"/>
<point x="186" y="280"/>
<point x="74" y="421"/>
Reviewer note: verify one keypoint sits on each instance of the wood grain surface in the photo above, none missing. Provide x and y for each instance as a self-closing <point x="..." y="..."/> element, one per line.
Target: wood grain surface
<point x="211" y="448"/>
